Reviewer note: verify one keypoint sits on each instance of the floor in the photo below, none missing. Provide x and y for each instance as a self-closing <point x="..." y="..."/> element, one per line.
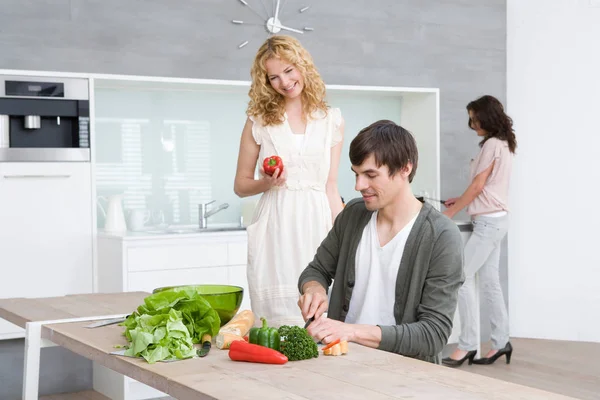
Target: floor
<point x="85" y="395"/>
<point x="568" y="368"/>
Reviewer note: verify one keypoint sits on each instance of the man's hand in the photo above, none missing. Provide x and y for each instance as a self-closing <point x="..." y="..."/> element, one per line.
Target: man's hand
<point x="327" y="330"/>
<point x="313" y="302"/>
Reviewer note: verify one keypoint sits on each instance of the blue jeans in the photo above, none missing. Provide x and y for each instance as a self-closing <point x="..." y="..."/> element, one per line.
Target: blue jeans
<point x="482" y="255"/>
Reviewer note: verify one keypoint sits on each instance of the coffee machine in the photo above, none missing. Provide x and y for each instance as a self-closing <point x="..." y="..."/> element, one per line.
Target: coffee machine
<point x="44" y="119"/>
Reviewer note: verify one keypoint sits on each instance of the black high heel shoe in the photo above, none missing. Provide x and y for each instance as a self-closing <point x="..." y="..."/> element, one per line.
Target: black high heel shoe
<point x="451" y="362"/>
<point x="508" y="349"/>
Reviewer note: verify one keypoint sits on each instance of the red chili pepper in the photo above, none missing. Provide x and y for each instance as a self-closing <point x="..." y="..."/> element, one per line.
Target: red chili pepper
<point x="270" y="164"/>
<point x="239" y="350"/>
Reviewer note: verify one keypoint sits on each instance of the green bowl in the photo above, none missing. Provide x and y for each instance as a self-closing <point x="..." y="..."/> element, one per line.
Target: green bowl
<point x="225" y="299"/>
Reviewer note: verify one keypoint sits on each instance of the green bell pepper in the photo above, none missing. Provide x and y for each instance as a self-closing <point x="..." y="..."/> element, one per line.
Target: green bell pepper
<point x="265" y="336"/>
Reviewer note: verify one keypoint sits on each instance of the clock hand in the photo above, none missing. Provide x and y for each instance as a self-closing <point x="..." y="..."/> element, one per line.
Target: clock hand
<point x="287" y="28"/>
<point x="245" y="3"/>
<point x="277" y="10"/>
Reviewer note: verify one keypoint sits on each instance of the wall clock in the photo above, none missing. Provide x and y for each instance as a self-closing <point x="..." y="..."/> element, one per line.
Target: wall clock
<point x="270" y="14"/>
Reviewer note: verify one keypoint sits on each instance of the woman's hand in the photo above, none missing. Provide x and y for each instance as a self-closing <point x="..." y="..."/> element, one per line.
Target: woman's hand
<point x="275" y="179"/>
<point x="450" y="202"/>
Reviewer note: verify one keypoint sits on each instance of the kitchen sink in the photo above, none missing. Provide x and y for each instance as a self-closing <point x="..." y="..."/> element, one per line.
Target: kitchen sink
<point x="180" y="230"/>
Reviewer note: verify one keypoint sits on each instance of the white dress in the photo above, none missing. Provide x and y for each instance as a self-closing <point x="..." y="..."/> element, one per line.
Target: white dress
<point x="291" y="221"/>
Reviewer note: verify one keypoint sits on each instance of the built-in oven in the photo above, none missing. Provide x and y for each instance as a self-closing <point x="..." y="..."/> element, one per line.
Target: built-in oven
<point x="44" y="119"/>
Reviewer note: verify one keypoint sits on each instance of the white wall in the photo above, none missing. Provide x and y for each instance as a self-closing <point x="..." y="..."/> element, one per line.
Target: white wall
<point x="553" y="83"/>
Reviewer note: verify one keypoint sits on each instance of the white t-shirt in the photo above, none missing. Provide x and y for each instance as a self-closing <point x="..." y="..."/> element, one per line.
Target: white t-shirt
<point x="376" y="272"/>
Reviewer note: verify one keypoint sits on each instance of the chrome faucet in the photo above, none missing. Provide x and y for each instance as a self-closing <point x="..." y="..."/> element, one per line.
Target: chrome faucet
<point x="204" y="214"/>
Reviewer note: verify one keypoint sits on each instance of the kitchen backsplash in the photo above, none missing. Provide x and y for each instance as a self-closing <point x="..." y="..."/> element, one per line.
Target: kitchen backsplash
<point x="168" y="149"/>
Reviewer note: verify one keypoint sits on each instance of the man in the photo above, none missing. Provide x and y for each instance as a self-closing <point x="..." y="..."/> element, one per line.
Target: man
<point x="396" y="263"/>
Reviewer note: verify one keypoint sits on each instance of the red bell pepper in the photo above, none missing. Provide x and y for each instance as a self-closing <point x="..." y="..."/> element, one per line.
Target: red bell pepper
<point x="239" y="350"/>
<point x="270" y="164"/>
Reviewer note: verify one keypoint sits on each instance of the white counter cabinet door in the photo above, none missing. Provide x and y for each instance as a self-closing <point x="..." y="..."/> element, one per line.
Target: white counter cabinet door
<point x="45" y="230"/>
<point x="133" y="263"/>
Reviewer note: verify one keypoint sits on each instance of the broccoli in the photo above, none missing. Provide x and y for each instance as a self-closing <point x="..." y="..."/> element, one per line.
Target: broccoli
<point x="297" y="344"/>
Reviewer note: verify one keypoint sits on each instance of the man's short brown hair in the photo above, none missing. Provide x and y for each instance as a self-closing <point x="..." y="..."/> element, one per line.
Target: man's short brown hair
<point x="390" y="144"/>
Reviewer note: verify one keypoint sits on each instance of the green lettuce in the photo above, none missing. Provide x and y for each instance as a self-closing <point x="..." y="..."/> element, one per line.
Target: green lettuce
<point x="168" y="324"/>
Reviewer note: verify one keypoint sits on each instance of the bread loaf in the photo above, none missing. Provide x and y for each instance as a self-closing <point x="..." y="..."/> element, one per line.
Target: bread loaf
<point x="236" y="329"/>
<point x="224" y="340"/>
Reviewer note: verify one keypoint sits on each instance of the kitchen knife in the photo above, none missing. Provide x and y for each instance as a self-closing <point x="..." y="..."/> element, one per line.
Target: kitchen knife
<point x="422" y="199"/>
<point x="311" y="319"/>
<point x="106" y="322"/>
<point x="206" y="343"/>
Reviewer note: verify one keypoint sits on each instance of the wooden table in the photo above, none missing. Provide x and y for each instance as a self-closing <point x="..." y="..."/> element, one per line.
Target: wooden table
<point x="362" y="373"/>
<point x="33" y="314"/>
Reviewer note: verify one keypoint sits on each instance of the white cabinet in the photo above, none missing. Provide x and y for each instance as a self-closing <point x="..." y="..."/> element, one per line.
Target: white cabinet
<point x="46" y="231"/>
<point x="144" y="262"/>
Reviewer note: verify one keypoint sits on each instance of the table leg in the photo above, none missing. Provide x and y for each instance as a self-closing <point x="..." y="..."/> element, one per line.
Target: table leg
<point x="33" y="344"/>
<point x="31" y="371"/>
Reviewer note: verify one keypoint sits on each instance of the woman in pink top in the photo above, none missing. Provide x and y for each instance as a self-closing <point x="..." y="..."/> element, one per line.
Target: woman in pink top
<point x="486" y="200"/>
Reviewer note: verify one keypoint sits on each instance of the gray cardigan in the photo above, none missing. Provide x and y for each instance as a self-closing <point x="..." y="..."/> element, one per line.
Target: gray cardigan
<point x="430" y="274"/>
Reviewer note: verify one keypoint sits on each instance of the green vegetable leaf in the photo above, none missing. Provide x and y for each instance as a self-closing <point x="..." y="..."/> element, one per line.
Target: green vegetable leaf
<point x="141" y="340"/>
<point x="157" y="354"/>
<point x="159" y="333"/>
<point x="177" y="328"/>
<point x="168" y="324"/>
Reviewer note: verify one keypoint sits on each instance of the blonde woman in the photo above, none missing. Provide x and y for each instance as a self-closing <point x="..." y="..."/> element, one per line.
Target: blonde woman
<point x="287" y="117"/>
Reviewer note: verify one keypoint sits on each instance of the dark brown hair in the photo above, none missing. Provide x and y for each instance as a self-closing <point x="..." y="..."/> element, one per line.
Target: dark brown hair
<point x="390" y="144"/>
<point x="492" y="119"/>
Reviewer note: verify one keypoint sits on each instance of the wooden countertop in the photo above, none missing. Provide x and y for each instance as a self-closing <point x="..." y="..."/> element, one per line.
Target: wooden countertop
<point x="362" y="373"/>
<point x="19" y="311"/>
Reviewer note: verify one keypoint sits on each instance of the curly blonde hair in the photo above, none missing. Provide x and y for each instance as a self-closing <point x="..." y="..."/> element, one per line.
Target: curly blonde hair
<point x="268" y="104"/>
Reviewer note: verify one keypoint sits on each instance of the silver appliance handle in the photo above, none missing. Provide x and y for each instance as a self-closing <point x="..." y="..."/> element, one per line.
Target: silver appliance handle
<point x="44" y="154"/>
<point x="37" y="176"/>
